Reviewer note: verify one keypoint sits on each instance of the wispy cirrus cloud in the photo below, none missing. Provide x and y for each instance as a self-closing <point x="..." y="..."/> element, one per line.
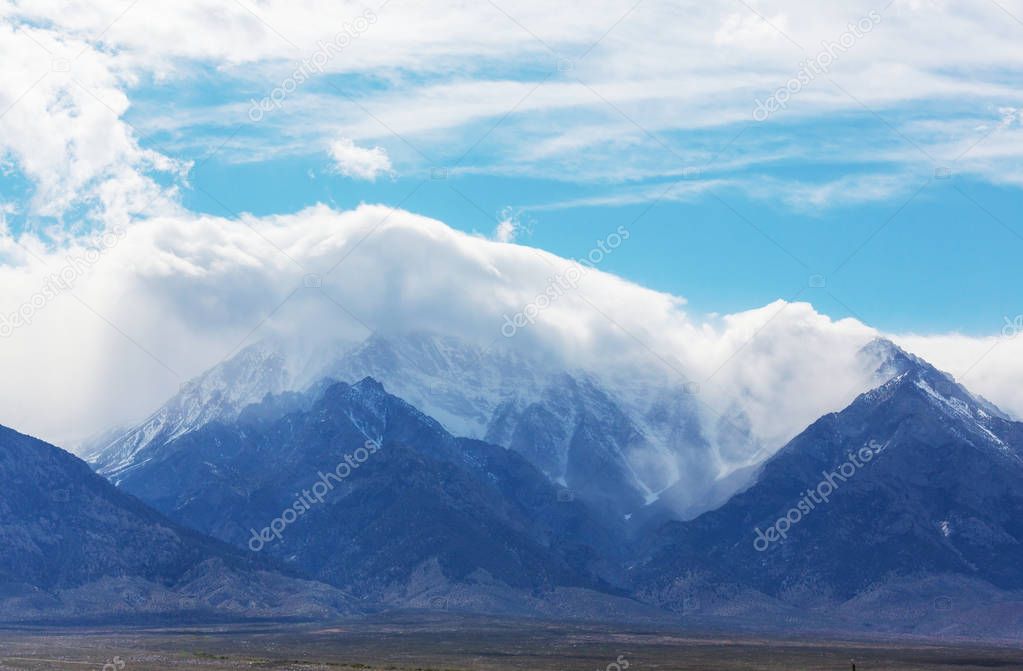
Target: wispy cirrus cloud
<point x="598" y="91"/>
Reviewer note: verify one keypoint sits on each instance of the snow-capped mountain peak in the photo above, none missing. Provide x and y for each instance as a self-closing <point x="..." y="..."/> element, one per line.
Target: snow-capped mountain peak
<point x="627" y="443"/>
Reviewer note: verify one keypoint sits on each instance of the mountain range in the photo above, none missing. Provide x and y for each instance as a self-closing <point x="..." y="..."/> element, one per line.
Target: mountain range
<point x="620" y="445"/>
<point x="408" y="505"/>
<point x="910" y="499"/>
<point x="71" y="544"/>
<point x="419" y="471"/>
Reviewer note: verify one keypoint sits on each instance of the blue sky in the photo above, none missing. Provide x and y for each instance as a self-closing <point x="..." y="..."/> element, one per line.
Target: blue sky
<point x="864" y="157"/>
<point x="571" y="132"/>
<point x="941" y="258"/>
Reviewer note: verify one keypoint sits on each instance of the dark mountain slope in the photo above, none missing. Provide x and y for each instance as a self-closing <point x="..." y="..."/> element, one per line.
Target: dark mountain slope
<point x="413" y="499"/>
<point x="920" y="479"/>
<point x="70" y="543"/>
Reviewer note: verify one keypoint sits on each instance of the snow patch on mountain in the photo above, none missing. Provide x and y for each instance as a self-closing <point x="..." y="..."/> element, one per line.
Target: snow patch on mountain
<point x="220" y="393"/>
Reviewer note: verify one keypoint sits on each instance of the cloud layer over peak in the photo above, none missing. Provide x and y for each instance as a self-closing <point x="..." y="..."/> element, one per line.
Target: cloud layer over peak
<point x="126" y="319"/>
<point x="126" y="294"/>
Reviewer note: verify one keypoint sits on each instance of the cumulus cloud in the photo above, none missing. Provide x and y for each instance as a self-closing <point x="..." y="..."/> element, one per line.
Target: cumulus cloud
<point x="123" y="320"/>
<point x="505" y="231"/>
<point x="62" y="129"/>
<point x="358" y="162"/>
<point x="176" y="294"/>
<point x="511" y="223"/>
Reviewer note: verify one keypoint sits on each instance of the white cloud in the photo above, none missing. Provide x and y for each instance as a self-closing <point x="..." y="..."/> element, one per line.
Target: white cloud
<point x="178" y="293"/>
<point x="181" y="291"/>
<point x="358" y="162"/>
<point x="505" y="231"/>
<point x="847" y="190"/>
<point x="511" y="223"/>
<point x="62" y="129"/>
<point x="434" y="83"/>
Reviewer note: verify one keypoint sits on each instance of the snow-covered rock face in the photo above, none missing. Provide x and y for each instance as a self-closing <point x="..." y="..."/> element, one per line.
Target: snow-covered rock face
<point x="973" y="417"/>
<point x="622" y="443"/>
<point x="458" y="384"/>
<point x="567" y="423"/>
<point x="220" y="393"/>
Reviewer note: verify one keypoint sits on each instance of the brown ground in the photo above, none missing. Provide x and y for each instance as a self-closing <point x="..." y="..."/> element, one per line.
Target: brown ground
<point x="429" y="643"/>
